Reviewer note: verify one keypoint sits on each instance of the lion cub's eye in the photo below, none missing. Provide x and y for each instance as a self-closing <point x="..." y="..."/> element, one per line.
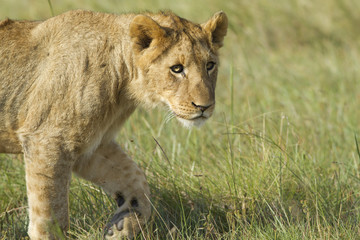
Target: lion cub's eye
<point x="210" y="66"/>
<point x="177" y="68"/>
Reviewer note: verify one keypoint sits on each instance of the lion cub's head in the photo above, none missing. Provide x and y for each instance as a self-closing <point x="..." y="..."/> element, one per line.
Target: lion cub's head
<point x="178" y="63"/>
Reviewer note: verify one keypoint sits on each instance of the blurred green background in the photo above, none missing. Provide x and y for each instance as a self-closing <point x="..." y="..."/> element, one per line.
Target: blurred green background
<point x="280" y="157"/>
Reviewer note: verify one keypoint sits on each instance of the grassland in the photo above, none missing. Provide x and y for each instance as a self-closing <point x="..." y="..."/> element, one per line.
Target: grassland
<point x="280" y="158"/>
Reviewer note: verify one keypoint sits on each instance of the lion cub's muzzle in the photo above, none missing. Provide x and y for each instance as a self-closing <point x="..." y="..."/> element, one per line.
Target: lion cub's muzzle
<point x="201" y="113"/>
<point x="202" y="108"/>
<point x="194" y="114"/>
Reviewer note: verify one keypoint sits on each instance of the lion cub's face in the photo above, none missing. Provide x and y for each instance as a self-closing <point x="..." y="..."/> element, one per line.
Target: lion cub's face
<point x="179" y="63"/>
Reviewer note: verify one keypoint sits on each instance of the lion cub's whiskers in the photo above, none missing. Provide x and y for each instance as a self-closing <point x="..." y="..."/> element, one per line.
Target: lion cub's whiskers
<point x="169" y="116"/>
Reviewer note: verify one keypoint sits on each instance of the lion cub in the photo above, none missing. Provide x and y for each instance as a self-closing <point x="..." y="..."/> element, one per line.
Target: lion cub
<point x="69" y="83"/>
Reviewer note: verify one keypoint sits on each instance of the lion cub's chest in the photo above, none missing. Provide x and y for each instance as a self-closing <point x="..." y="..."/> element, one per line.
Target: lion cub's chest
<point x="106" y="132"/>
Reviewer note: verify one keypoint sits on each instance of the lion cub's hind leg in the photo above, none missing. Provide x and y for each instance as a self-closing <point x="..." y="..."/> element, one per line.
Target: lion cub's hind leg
<point x="119" y="176"/>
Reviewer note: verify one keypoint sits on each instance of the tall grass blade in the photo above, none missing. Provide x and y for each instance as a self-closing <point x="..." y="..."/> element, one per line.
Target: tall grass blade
<point x="357" y="147"/>
<point x="51" y="8"/>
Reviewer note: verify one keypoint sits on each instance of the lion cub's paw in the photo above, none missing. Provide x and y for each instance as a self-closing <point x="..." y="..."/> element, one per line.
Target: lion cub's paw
<point x="123" y="225"/>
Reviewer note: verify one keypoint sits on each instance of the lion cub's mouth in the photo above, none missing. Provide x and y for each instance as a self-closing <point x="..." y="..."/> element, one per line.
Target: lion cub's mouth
<point x="191" y="117"/>
<point x="199" y="117"/>
<point x="190" y="121"/>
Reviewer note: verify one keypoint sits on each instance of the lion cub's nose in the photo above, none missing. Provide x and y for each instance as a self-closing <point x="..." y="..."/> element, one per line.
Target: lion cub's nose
<point x="202" y="108"/>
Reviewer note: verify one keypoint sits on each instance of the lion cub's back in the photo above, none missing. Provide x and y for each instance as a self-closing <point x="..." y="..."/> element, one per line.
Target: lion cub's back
<point x="16" y="64"/>
<point x="16" y="51"/>
<point x="15" y="33"/>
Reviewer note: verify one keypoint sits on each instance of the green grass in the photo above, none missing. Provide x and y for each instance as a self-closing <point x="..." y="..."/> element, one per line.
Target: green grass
<point x="280" y="158"/>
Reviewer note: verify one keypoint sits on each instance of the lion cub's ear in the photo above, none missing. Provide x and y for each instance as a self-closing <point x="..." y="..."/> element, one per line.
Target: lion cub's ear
<point x="216" y="27"/>
<point x="145" y="31"/>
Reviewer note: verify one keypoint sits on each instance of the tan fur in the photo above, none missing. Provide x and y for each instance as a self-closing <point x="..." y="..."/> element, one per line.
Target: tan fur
<point x="70" y="82"/>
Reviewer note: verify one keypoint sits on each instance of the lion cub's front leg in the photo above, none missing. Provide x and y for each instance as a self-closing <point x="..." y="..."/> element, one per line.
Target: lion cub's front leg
<point x="48" y="173"/>
<point x="112" y="169"/>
